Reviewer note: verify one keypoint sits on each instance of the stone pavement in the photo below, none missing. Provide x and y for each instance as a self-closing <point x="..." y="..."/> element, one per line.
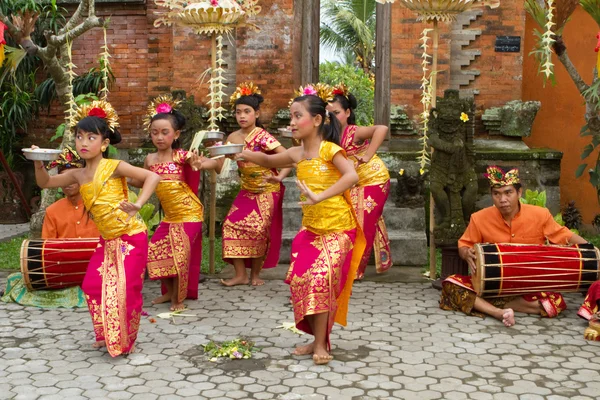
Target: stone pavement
<point x="398" y="345"/>
<point x="8" y="232"/>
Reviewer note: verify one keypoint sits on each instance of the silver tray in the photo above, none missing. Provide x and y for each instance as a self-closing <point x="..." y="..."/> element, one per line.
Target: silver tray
<point x="225" y="149"/>
<point x="285" y="132"/>
<point x="41" y="154"/>
<point x="213" y="135"/>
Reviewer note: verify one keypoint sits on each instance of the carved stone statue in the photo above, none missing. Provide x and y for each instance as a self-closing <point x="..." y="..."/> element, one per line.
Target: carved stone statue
<point x="452" y="177"/>
<point x="410" y="188"/>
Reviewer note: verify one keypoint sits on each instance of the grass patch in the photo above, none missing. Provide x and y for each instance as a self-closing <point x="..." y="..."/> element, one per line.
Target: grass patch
<point x="219" y="263"/>
<point x="10" y="251"/>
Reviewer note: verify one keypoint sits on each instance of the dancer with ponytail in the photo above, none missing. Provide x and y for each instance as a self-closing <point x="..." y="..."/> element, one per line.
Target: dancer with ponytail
<point x="373" y="187"/>
<point x="115" y="275"/>
<point x="328" y="248"/>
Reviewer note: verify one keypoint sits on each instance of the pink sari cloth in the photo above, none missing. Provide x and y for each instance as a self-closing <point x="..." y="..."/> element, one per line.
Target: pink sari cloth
<point x="368" y="199"/>
<point x="591" y="304"/>
<point x="113" y="286"/>
<point x="177" y="251"/>
<point x="254" y="224"/>
<point x="319" y="269"/>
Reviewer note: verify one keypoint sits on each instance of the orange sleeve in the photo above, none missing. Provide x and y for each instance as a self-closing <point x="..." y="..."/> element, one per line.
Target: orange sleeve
<point x="472" y="234"/>
<point x="49" y="230"/>
<point x="554" y="232"/>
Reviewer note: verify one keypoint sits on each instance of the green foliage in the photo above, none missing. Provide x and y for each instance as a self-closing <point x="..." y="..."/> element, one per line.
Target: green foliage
<point x="11" y="252"/>
<point x="360" y="85"/>
<point x="234" y="349"/>
<point x="348" y="26"/>
<point x="534" y="198"/>
<point x="151" y="218"/>
<point x="592" y="7"/>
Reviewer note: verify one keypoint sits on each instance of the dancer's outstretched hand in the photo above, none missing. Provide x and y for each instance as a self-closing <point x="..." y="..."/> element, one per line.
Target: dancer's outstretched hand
<point x="195" y="161"/>
<point x="130" y="208"/>
<point x="310" y="198"/>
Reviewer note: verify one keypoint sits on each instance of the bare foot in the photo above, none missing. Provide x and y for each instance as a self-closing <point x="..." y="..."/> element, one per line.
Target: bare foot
<point x="304" y="350"/>
<point x="236" y="280"/>
<point x="592" y="332"/>
<point x="162" y="299"/>
<point x="177" y="307"/>
<point x="131" y="350"/>
<point x="321" y="356"/>
<point x="99" y="344"/>
<point x="257" y="282"/>
<point x="508" y="317"/>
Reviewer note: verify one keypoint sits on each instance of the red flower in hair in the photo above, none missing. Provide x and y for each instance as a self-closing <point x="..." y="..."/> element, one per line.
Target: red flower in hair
<point x="338" y="91"/>
<point x="246" y="91"/>
<point x="97" y="112"/>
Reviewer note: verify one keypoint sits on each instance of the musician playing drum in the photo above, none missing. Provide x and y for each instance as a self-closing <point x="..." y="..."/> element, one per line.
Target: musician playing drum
<point x="507" y="221"/>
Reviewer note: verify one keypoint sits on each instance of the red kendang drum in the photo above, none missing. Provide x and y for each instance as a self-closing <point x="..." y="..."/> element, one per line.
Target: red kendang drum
<point x="513" y="269"/>
<point x="55" y="263"/>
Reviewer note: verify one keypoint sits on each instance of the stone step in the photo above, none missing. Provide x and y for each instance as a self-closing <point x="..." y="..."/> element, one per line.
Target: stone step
<point x="408" y="248"/>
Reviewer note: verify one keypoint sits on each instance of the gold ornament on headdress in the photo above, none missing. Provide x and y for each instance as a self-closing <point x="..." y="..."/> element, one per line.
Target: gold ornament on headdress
<point x="497" y="177"/>
<point x="97" y="108"/>
<point x="67" y="159"/>
<point x="244" y="89"/>
<point x="341" y="89"/>
<point x="322" y="90"/>
<point x="164" y="103"/>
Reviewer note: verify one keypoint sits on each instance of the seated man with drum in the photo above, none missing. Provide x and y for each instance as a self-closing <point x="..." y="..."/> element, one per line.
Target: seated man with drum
<point x="507" y="221"/>
<point x="65" y="219"/>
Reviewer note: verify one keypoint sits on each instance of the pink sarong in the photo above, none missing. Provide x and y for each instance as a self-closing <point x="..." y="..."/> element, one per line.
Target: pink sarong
<point x="591" y="303"/>
<point x="368" y="202"/>
<point x="319" y="269"/>
<point x="113" y="287"/>
<point x="176" y="251"/>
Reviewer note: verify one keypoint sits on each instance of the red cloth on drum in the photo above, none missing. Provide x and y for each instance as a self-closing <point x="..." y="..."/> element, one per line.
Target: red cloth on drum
<point x="64" y="221"/>
<point x="552" y="303"/>
<point x="531" y="225"/>
<point x="591" y="304"/>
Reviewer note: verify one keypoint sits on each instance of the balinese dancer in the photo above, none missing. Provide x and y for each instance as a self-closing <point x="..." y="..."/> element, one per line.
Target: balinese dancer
<point x="115" y="276"/>
<point x="590" y="310"/>
<point x="328" y="248"/>
<point x="507" y="221"/>
<point x="371" y="192"/>
<point x="253" y="227"/>
<point x="175" y="250"/>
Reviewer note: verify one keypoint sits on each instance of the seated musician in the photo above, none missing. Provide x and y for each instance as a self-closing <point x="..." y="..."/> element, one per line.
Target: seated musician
<point x="67" y="217"/>
<point x="507" y="221"/>
<point x="64" y="219"/>
<point x="590" y="310"/>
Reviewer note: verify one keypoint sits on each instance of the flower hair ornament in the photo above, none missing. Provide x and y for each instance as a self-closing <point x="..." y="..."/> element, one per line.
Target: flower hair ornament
<point x="498" y="178"/>
<point x="97" y="108"/>
<point x="321" y="90"/>
<point x="67" y="159"/>
<point x="341" y="89"/>
<point x="244" y="89"/>
<point x="163" y="104"/>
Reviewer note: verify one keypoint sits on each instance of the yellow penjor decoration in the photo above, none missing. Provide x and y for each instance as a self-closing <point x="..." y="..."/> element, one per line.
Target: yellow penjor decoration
<point x="213" y="18"/>
<point x="435" y="11"/>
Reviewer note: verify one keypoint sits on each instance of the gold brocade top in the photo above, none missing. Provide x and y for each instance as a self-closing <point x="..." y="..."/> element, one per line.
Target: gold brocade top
<point x="253" y="175"/>
<point x="178" y="200"/>
<point x="102" y="197"/>
<point x="371" y="173"/>
<point x="335" y="213"/>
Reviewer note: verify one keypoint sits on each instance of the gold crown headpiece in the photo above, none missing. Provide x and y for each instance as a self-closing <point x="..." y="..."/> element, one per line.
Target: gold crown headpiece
<point x="165" y="103"/>
<point x="244" y="89"/>
<point x="341" y="89"/>
<point x="67" y="159"/>
<point x="97" y="108"/>
<point x="497" y="177"/>
<point x="322" y="90"/>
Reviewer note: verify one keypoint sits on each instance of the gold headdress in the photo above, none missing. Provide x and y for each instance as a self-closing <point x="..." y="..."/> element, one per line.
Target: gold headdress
<point x="97" y="108"/>
<point x="244" y="89"/>
<point x="497" y="177"/>
<point x="322" y="90"/>
<point x="68" y="159"/>
<point x="165" y="103"/>
<point x="341" y="89"/>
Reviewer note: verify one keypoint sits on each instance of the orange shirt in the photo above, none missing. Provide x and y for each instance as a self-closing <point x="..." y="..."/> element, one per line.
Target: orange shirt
<point x="531" y="225"/>
<point x="64" y="220"/>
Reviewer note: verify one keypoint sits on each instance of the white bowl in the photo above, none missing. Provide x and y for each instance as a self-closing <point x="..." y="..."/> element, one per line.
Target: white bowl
<point x="225" y="149"/>
<point x="213" y="135"/>
<point x="285" y="132"/>
<point x="41" y="154"/>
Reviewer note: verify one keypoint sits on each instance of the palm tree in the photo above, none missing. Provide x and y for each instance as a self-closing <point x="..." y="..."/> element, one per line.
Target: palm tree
<point x="348" y="26"/>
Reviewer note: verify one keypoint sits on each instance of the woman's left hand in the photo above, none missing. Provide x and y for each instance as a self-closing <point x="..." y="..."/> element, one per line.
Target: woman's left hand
<point x="362" y="160"/>
<point x="130" y="208"/>
<point x="311" y="198"/>
<point x="273" y="179"/>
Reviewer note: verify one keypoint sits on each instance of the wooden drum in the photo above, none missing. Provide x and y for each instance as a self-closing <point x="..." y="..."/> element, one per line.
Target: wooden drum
<point x="506" y="269"/>
<point x="55" y="263"/>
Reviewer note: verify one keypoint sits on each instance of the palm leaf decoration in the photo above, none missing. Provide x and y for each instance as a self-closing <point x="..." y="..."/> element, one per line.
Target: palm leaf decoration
<point x="592" y="7"/>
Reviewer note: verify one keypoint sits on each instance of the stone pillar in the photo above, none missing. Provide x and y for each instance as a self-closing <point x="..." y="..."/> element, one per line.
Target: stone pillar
<point x="311" y="20"/>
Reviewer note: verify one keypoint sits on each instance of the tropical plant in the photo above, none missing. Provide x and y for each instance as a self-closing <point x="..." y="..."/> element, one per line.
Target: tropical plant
<point x="359" y="83"/>
<point x="534" y="198"/>
<point x="151" y="218"/>
<point x="349" y="26"/>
